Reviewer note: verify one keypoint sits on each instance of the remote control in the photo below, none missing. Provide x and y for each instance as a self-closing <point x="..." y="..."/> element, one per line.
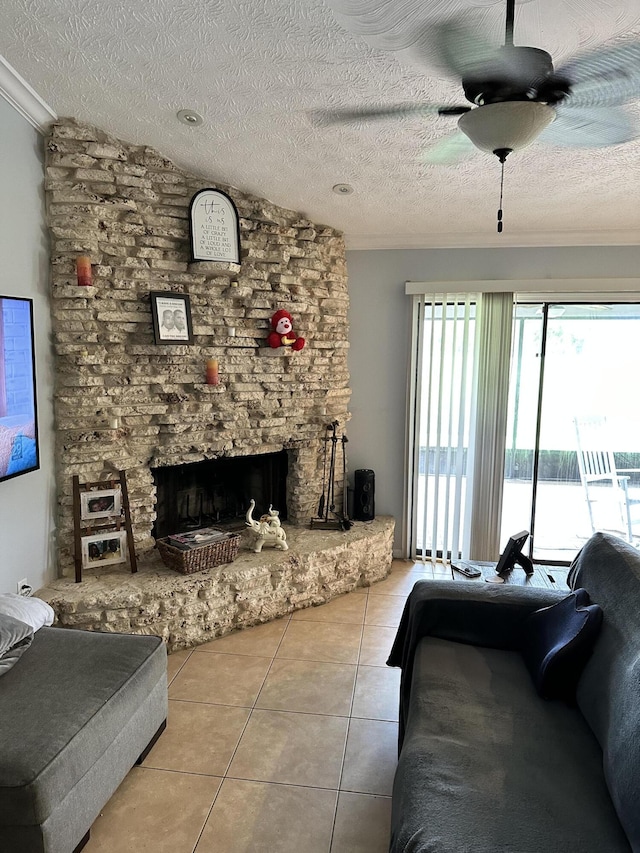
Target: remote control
<point x="467" y="570"/>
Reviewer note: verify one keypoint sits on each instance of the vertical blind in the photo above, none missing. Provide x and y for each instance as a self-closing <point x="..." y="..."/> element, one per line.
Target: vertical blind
<point x="459" y="373"/>
<point x="490" y="434"/>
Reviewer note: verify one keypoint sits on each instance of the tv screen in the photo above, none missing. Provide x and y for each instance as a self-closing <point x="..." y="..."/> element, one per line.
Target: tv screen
<point x="18" y="419"/>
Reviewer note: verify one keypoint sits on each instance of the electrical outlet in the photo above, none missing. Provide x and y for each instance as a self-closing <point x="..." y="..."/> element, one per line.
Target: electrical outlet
<point x="24" y="587"/>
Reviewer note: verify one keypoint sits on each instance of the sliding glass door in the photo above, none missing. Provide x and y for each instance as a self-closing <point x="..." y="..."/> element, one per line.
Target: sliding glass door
<point x="523" y="416"/>
<point x="572" y="463"/>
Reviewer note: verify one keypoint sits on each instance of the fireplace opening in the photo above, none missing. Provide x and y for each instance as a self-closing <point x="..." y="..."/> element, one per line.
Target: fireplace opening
<point x="216" y="492"/>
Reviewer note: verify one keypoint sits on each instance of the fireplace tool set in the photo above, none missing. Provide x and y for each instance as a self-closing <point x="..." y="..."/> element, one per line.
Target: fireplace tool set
<point x="330" y="517"/>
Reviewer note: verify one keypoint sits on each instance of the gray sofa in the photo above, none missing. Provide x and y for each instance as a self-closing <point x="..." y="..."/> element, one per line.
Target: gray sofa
<point x="485" y="764"/>
<point x="76" y="711"/>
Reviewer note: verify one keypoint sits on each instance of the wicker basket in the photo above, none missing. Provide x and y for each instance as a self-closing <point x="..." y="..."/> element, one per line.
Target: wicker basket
<point x="203" y="557"/>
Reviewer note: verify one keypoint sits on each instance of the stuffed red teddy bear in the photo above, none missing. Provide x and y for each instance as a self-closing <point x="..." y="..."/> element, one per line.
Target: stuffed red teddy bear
<point x="283" y="334"/>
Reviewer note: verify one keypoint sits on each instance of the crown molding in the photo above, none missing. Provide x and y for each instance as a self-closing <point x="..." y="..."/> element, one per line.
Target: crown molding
<point x="364" y="242"/>
<point x="528" y="289"/>
<point x="23" y="98"/>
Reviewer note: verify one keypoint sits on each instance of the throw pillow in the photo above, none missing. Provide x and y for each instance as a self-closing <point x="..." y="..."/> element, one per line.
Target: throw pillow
<point x="34" y="611"/>
<point x="556" y="643"/>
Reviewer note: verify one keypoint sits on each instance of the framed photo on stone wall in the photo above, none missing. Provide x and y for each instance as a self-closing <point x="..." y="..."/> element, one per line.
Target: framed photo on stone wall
<point x="100" y="503"/>
<point x="171" y="315"/>
<point x="104" y="549"/>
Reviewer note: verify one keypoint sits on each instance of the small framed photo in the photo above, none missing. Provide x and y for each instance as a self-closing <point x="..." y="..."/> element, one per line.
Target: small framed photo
<point x="171" y="314"/>
<point x="101" y="503"/>
<point x="103" y="549"/>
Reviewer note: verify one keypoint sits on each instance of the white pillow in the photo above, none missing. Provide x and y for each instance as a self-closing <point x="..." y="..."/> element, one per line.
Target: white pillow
<point x="34" y="611"/>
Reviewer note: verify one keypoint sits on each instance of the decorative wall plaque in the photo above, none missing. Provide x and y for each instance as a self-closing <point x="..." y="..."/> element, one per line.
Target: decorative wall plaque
<point x="213" y="224"/>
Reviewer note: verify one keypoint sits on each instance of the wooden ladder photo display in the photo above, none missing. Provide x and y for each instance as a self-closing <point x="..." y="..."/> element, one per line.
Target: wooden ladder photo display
<point x="102" y="524"/>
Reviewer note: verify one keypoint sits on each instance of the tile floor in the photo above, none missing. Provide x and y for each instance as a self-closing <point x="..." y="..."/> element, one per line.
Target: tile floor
<point x="281" y="738"/>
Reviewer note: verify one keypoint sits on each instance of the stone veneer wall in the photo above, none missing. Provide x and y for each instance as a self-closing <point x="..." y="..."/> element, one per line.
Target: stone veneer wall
<point x="127" y="207"/>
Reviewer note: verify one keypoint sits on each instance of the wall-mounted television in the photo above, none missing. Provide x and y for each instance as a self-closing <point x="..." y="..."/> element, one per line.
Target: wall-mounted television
<point x="19" y="452"/>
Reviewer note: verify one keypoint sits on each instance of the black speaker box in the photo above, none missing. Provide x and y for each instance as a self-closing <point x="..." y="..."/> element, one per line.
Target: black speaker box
<point x="364" y="488"/>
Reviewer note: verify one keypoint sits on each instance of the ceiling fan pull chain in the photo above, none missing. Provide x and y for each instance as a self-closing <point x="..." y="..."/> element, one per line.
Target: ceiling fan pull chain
<point x="501" y="190"/>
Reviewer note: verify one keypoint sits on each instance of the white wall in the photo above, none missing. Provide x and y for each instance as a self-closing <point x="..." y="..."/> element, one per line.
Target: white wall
<point x="380" y="326"/>
<point x="27" y="503"/>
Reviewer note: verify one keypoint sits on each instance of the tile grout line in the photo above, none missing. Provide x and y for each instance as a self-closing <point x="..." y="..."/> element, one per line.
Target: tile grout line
<point x="281" y="711"/>
<point x="252" y="708"/>
<point x="175" y="674"/>
<point x="244" y="728"/>
<point x="336" y="790"/>
<point x="346" y="738"/>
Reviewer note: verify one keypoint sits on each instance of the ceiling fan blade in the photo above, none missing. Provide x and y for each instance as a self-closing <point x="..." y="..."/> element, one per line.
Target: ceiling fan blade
<point x="324" y="118"/>
<point x="604" y="77"/>
<point x="453" y="149"/>
<point x="595" y="127"/>
<point x="462" y="50"/>
<point x="390" y="25"/>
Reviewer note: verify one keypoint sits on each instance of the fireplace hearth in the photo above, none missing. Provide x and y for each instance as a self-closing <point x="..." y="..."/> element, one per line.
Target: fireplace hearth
<point x="186" y="610"/>
<point x="218" y="491"/>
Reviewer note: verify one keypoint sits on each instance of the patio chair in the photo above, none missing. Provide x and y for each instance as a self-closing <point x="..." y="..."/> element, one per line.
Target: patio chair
<point x="598" y="471"/>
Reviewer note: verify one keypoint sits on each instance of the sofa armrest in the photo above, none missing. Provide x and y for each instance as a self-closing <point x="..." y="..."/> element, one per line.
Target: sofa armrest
<point x="477" y="614"/>
<point x="472" y="613"/>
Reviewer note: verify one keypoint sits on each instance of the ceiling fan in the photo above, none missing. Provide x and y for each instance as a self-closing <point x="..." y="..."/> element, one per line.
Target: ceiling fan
<point x="518" y="96"/>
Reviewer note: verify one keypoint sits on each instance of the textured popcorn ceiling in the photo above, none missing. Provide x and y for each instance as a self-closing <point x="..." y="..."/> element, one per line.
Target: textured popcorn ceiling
<point x="256" y="69"/>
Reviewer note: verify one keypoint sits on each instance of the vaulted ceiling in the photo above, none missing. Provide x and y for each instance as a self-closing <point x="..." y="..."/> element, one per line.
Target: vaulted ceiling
<point x="258" y="70"/>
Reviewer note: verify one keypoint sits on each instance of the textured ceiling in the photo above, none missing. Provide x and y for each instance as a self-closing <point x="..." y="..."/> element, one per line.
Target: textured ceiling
<point x="256" y="70"/>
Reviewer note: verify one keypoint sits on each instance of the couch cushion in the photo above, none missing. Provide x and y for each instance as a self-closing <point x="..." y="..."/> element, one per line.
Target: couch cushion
<point x="488" y="767"/>
<point x="557" y="641"/>
<point x="61" y="707"/>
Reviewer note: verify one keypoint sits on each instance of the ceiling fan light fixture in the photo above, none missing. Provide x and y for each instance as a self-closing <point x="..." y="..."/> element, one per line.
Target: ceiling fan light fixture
<point x="508" y="125"/>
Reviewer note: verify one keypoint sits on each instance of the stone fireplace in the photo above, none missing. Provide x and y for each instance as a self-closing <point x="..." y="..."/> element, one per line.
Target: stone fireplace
<point x="123" y="402"/>
<point x="194" y="452"/>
